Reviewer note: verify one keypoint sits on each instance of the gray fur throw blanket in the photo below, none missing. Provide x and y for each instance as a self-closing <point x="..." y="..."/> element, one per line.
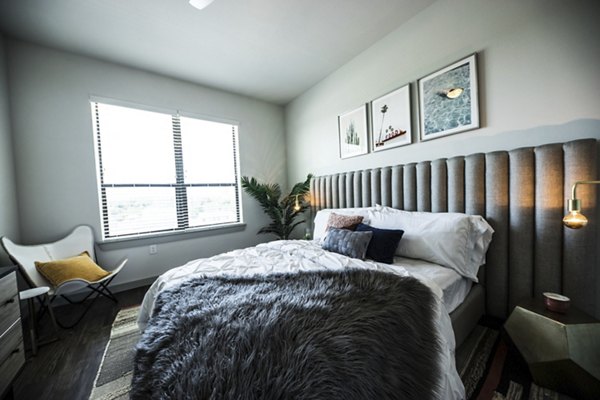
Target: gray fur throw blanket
<point x="353" y="334"/>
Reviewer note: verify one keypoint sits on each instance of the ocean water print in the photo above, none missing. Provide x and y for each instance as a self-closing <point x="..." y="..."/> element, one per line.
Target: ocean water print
<point x="442" y="113"/>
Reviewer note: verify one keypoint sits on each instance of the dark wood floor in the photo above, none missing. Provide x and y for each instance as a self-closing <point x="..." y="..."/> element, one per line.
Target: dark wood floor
<point x="66" y="369"/>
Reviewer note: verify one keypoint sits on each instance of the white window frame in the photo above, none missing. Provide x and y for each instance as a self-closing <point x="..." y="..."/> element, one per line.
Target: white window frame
<point x="180" y="186"/>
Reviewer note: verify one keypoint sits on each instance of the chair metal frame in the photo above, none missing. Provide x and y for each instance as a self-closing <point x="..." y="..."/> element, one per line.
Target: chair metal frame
<point x="79" y="240"/>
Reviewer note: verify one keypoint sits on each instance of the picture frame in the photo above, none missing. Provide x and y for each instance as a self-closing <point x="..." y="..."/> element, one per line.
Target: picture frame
<point x="449" y="100"/>
<point x="391" y="123"/>
<point x="353" y="136"/>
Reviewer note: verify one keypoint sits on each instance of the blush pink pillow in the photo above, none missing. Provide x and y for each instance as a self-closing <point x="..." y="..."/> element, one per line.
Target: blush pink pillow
<point x="340" y="221"/>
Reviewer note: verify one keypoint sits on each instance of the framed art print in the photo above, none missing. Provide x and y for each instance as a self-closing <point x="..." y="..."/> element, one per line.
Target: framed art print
<point x="353" y="132"/>
<point x="448" y="100"/>
<point x="390" y="120"/>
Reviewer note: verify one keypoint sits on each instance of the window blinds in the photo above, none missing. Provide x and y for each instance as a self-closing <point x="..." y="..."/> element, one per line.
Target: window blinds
<point x="161" y="172"/>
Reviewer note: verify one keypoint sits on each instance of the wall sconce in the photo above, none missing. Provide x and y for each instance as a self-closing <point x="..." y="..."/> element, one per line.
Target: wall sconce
<point x="575" y="219"/>
<point x="453" y="93"/>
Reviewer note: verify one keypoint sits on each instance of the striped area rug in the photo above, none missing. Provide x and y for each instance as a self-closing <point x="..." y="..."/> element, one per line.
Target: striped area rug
<point x="473" y="358"/>
<point x="515" y="392"/>
<point x="113" y="380"/>
<point x="491" y="369"/>
<point x="482" y="363"/>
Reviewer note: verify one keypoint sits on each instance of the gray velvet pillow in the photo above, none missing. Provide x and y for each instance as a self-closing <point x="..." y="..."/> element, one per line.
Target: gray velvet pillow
<point x="348" y="243"/>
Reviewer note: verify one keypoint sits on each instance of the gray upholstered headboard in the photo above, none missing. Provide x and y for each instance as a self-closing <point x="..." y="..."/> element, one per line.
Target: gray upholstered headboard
<point x="522" y="193"/>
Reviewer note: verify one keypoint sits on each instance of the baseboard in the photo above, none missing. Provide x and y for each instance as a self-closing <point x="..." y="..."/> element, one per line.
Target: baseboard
<point x="122" y="287"/>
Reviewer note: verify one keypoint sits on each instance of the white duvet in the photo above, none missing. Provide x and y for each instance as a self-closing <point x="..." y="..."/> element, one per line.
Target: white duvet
<point x="298" y="255"/>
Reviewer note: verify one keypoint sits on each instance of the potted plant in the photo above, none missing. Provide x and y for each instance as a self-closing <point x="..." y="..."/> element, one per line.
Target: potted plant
<point x="283" y="212"/>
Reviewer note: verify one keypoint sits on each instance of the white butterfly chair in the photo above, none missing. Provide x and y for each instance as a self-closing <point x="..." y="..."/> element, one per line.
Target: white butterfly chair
<point x="79" y="240"/>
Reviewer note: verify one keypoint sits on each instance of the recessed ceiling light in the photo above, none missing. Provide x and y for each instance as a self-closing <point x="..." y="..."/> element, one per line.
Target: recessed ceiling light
<point x="200" y="4"/>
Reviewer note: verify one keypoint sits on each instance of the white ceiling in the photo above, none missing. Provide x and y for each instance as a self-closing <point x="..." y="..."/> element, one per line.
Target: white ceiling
<point x="269" y="49"/>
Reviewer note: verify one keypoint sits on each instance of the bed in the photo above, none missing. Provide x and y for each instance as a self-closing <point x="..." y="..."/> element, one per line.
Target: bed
<point x="506" y="188"/>
<point x="383" y="325"/>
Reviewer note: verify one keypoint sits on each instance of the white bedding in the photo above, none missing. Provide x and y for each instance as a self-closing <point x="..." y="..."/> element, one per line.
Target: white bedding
<point x="455" y="286"/>
<point x="297" y="255"/>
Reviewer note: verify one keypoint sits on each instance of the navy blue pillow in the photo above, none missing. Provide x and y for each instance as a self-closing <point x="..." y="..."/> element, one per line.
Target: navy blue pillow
<point x="383" y="244"/>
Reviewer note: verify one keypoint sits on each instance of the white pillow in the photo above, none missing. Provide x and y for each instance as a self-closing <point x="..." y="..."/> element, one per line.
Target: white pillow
<point x="481" y="236"/>
<point x="320" y="223"/>
<point x="453" y="240"/>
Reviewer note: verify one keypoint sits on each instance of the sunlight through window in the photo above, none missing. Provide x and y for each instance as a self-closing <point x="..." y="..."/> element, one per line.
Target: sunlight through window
<point x="161" y="172"/>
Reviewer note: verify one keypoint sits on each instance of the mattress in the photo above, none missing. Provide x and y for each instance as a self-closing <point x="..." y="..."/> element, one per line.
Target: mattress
<point x="454" y="286"/>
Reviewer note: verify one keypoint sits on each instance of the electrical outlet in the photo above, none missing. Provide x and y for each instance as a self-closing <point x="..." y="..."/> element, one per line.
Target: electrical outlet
<point x="153" y="249"/>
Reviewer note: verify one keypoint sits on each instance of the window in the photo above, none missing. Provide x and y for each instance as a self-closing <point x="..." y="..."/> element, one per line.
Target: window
<point x="163" y="172"/>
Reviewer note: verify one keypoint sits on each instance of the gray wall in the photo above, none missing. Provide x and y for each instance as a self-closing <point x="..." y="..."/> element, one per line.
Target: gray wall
<point x="9" y="223"/>
<point x="538" y="73"/>
<point x="539" y="69"/>
<point x="54" y="155"/>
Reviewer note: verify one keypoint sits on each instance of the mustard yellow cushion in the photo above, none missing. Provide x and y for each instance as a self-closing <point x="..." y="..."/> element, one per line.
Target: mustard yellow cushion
<point x="81" y="267"/>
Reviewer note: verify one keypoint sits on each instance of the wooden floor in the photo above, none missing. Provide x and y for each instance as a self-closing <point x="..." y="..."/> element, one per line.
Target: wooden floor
<point x="66" y="369"/>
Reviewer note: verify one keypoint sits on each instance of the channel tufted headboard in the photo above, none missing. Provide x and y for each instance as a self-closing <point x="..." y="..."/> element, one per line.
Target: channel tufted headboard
<point x="522" y="193"/>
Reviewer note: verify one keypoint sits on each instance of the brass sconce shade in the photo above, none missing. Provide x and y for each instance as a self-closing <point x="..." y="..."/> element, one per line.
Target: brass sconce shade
<point x="575" y="219"/>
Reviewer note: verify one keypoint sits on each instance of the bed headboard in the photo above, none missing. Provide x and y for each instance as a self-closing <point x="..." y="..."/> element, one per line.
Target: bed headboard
<point x="522" y="193"/>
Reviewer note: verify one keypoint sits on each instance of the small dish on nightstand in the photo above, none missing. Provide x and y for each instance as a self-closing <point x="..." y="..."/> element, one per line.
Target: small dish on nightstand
<point x="556" y="302"/>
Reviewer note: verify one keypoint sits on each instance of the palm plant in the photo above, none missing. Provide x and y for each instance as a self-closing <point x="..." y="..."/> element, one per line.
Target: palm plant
<point x="283" y="212"/>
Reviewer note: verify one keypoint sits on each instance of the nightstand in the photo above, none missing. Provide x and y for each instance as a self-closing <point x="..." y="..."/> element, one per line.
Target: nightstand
<point x="12" y="354"/>
<point x="561" y="350"/>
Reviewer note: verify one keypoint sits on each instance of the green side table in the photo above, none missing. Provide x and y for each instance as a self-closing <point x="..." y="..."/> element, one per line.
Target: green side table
<point x="561" y="350"/>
